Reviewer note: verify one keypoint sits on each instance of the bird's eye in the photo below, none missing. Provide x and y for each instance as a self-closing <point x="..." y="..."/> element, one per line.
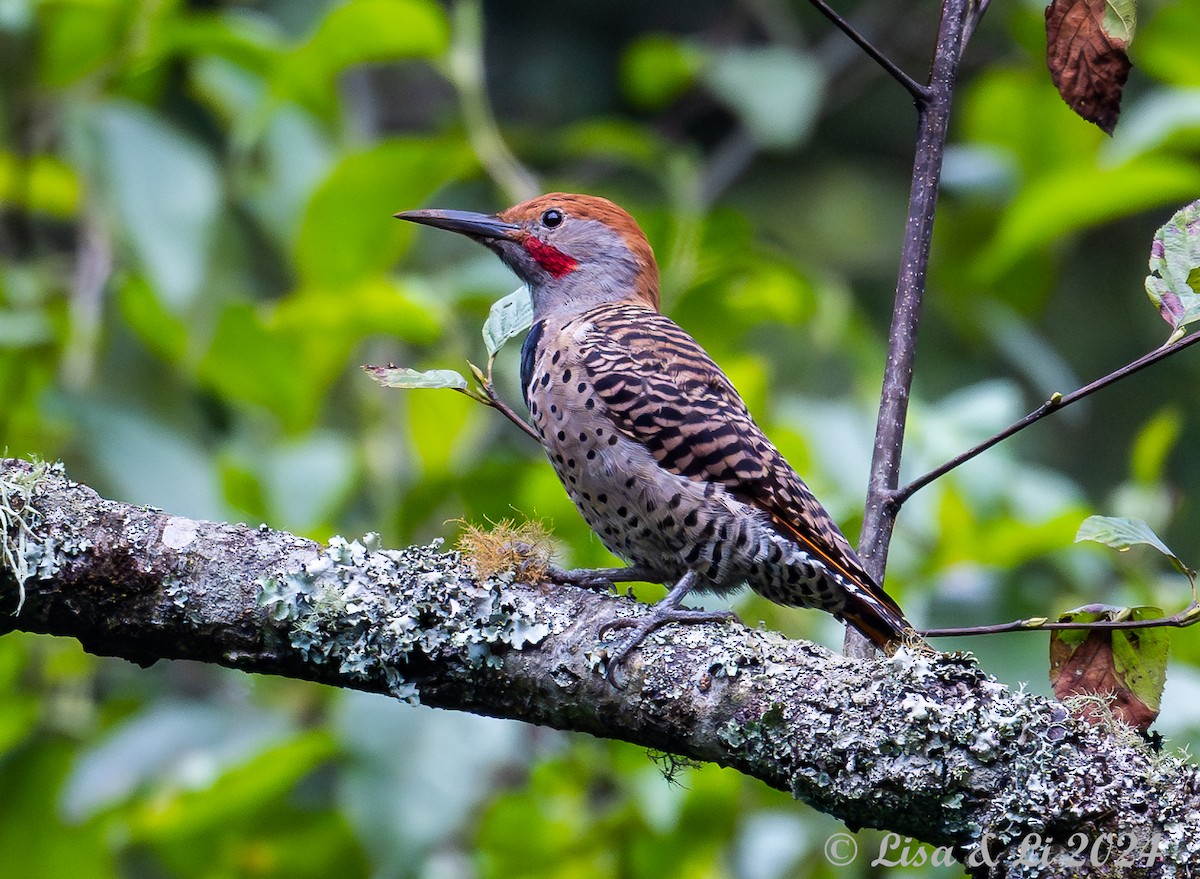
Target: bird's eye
<point x="552" y="218"/>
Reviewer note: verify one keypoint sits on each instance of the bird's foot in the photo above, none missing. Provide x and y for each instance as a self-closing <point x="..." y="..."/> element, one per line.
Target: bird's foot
<point x="659" y="616"/>
<point x="600" y="579"/>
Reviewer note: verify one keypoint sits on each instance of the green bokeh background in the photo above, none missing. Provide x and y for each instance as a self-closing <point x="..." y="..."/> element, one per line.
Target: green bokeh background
<point x="198" y="254"/>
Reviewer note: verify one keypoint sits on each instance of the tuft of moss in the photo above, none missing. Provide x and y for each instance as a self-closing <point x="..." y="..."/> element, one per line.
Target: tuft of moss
<point x="524" y="548"/>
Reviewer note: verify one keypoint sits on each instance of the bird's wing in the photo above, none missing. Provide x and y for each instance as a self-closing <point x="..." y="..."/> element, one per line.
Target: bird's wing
<point x="660" y="388"/>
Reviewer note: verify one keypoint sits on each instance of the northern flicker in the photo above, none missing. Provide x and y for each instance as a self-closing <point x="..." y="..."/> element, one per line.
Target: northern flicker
<point x="650" y="439"/>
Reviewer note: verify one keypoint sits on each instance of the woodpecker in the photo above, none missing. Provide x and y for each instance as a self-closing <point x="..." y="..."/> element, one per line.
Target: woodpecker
<point x="650" y="439"/>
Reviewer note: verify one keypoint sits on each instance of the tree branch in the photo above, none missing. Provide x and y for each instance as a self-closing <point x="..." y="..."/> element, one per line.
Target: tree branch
<point x="1054" y="404"/>
<point x="879" y="517"/>
<point x="924" y="745"/>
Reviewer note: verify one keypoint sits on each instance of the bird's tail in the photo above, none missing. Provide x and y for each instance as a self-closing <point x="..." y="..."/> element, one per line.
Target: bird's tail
<point x="868" y="608"/>
<point x="877" y="615"/>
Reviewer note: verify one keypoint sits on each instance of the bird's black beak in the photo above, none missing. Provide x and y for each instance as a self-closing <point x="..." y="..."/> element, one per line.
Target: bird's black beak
<point x="467" y="222"/>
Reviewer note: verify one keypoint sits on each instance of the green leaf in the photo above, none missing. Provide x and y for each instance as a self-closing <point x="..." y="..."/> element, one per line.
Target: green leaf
<point x="234" y="94"/>
<point x="1121" y="533"/>
<point x="615" y="141"/>
<point x="284" y="358"/>
<point x="149" y="747"/>
<point x="658" y="68"/>
<point x="295" y="156"/>
<point x="1120" y="20"/>
<point x="348" y="231"/>
<point x="77" y="39"/>
<point x="1124" y="533"/>
<point x="19" y="713"/>
<point x="1167" y="49"/>
<point x="39" y="183"/>
<point x="1140" y="657"/>
<point x="508" y="317"/>
<point x="181" y="814"/>
<point x="148" y="459"/>
<point x="249" y="42"/>
<point x="304" y="481"/>
<point x="1175" y="267"/>
<point x="1077" y="198"/>
<point x="1153" y="445"/>
<point x="250" y="362"/>
<point x="776" y="92"/>
<point x="436" y="423"/>
<point x="166" y="191"/>
<point x="335" y="319"/>
<point x="444" y="756"/>
<point x="1160" y="118"/>
<point x="162" y="332"/>
<point x="37" y="840"/>
<point x="403" y="377"/>
<point x="26" y="328"/>
<point x="359" y="32"/>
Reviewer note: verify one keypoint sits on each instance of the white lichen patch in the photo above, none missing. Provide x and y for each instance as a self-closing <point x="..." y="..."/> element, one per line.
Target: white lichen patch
<point x="916" y="662"/>
<point x="916" y="706"/>
<point x="373" y="612"/>
<point x="179" y="532"/>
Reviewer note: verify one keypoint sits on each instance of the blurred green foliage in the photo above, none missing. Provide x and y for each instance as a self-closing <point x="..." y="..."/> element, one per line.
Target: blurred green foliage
<point x="198" y="255"/>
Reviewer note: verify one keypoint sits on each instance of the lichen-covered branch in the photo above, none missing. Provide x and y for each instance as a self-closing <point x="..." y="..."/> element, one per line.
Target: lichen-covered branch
<point x="928" y="746"/>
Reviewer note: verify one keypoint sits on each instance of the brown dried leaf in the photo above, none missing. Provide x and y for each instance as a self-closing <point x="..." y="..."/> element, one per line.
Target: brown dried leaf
<point x="1086" y="52"/>
<point x="1127" y="666"/>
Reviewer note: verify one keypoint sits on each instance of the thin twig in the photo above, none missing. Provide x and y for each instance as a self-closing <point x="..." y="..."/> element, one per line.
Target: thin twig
<point x="1187" y="617"/>
<point x="487" y="395"/>
<point x="465" y="69"/>
<point x="494" y="400"/>
<point x="920" y="93"/>
<point x="1056" y="402"/>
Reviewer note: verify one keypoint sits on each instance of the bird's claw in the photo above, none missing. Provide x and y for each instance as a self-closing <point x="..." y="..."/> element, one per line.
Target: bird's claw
<point x="644" y="626"/>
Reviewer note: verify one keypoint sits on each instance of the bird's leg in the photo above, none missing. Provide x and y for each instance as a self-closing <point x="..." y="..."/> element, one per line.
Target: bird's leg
<point x="601" y="578"/>
<point x="666" y="611"/>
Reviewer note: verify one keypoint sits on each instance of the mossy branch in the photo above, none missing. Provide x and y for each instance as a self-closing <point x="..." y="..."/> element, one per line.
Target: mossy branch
<point x="927" y="746"/>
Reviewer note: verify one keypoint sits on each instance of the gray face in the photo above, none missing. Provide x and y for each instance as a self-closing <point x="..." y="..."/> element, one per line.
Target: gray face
<point x="572" y="266"/>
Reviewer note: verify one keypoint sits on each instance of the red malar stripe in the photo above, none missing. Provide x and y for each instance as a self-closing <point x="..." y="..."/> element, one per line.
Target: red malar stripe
<point x="549" y="257"/>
